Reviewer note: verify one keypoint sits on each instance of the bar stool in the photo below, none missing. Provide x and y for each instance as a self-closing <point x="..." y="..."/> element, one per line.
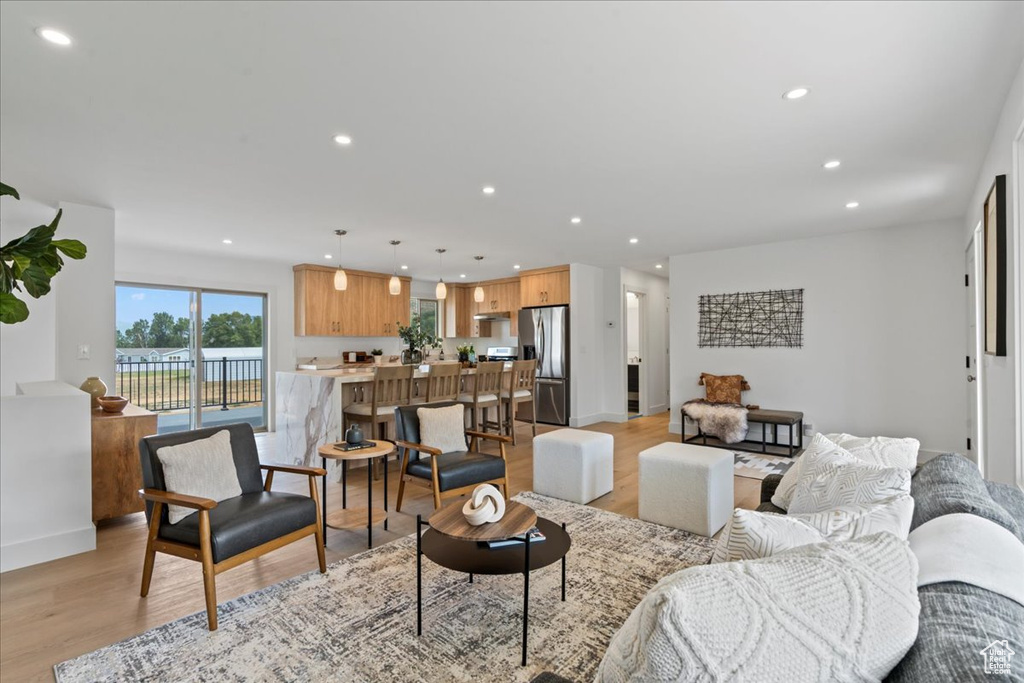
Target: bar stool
<point x="444" y="383"/>
<point x="522" y="380"/>
<point x="486" y="388"/>
<point x="391" y="387"/>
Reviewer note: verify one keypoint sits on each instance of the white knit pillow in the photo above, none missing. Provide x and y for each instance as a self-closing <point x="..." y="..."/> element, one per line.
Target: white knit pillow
<point x="443" y="428"/>
<point x="880" y="450"/>
<point x="750" y="534"/>
<point x="828" y="611"/>
<point x="203" y="468"/>
<point x="784" y="491"/>
<point x="836" y="479"/>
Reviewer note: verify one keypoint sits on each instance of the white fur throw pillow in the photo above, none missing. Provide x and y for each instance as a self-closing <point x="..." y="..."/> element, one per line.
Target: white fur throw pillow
<point x="880" y="450"/>
<point x="203" y="468"/>
<point x="837" y="479"/>
<point x="443" y="428"/>
<point x="824" y="612"/>
<point x="784" y="491"/>
<point x="750" y="534"/>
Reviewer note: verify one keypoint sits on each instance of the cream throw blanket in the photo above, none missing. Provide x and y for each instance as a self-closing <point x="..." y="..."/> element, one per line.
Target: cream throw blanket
<point x="725" y="421"/>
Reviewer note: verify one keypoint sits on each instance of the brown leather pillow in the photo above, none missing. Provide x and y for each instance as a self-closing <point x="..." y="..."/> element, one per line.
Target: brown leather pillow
<point x="723" y="388"/>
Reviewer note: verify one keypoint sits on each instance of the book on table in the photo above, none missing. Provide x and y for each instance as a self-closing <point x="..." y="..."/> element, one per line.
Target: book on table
<point x="535" y="537"/>
<point x="346" y="447"/>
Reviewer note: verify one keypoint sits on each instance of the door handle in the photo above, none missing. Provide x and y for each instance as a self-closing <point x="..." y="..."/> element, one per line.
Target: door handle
<point x="971" y="378"/>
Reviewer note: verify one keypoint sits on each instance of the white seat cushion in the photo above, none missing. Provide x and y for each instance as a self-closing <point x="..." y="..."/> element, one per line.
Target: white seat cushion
<point x="574" y="464"/>
<point x="204" y="468"/>
<point x="823" y="612"/>
<point x="483" y="398"/>
<point x="383" y="412"/>
<point x="519" y="393"/>
<point x="686" y="487"/>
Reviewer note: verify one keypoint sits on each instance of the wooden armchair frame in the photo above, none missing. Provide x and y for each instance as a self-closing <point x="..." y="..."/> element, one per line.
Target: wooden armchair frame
<point x="204" y="553"/>
<point x="434" y="483"/>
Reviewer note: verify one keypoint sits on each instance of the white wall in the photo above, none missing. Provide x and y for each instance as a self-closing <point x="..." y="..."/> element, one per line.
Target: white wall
<point x="587" y="356"/>
<point x="85" y="300"/>
<point x="1002" y="412"/>
<point x="45" y="474"/>
<point x="884" y="329"/>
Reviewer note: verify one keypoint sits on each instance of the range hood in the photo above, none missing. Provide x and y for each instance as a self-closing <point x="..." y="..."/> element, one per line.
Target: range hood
<point x="493" y="316"/>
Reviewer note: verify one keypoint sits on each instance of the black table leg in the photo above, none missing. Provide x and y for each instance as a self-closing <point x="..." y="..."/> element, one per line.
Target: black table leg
<point x="526" y="595"/>
<point x="385" y="493"/>
<point x="471" y="578"/>
<point x="344" y="484"/>
<point x="323" y="501"/>
<point x="369" y="502"/>
<point x="419" y="577"/>
<point x="563" y="569"/>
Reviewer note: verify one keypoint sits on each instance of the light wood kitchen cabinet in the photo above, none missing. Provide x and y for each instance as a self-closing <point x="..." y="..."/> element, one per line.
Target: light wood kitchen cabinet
<point x="459" y="311"/>
<point x="544" y="287"/>
<point x="364" y="309"/>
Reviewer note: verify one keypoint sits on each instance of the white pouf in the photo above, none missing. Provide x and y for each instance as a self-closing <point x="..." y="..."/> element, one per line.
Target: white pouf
<point x="573" y="464"/>
<point x="686" y="487"/>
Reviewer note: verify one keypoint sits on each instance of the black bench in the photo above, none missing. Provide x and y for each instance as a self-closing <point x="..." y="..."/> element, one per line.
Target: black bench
<point x="766" y="418"/>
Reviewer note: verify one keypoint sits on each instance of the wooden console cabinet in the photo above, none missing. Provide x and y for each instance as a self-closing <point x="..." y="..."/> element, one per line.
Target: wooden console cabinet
<point x="116" y="470"/>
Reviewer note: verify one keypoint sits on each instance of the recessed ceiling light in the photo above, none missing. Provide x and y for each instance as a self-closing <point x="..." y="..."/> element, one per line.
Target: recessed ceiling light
<point x="343" y="140"/>
<point x="328" y="256"/>
<point x="405" y="267"/>
<point x="795" y="93"/>
<point x="488" y="189"/>
<point x="226" y="241"/>
<point x="54" y="36"/>
<point x="517" y="266"/>
<point x="852" y="205"/>
<point x="834" y="163"/>
<point x="462" y="275"/>
<point x="633" y="240"/>
<point x="658" y="266"/>
<point x="575" y="219"/>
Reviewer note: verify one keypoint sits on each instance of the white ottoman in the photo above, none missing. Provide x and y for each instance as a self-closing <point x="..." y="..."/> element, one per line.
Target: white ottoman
<point x="573" y="464"/>
<point x="686" y="487"/>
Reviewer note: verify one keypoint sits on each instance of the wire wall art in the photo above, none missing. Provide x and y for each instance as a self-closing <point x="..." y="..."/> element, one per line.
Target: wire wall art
<point x="756" y="319"/>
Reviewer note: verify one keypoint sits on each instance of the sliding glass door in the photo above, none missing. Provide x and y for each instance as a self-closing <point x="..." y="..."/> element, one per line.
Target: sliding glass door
<point x="195" y="357"/>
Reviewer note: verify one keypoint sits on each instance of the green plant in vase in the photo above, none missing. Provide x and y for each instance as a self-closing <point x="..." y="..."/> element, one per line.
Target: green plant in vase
<point x="417" y="339"/>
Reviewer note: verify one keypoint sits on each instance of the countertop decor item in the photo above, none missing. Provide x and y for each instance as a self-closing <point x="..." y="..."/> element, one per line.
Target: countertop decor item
<point x="418" y="339"/>
<point x="354" y="435"/>
<point x="378" y="356"/>
<point x="486" y="504"/>
<point x="31" y="260"/>
<point x="96" y="388"/>
<point x="112" y="404"/>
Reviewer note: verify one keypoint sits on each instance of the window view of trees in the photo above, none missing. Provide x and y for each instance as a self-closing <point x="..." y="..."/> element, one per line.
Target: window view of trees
<point x="220" y="330"/>
<point x="426" y="309"/>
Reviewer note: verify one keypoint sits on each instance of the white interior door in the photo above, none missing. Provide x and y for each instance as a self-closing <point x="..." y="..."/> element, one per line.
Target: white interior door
<point x="972" y="371"/>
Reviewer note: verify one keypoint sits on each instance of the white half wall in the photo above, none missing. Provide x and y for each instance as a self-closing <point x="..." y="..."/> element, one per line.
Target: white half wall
<point x="1002" y="412"/>
<point x="587" y="356"/>
<point x="884" y="331"/>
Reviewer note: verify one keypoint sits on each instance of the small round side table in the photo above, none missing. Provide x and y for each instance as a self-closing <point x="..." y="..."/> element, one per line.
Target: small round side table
<point x="352" y="518"/>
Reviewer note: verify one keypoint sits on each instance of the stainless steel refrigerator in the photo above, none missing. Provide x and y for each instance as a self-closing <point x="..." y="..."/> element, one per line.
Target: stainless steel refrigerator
<point x="544" y="335"/>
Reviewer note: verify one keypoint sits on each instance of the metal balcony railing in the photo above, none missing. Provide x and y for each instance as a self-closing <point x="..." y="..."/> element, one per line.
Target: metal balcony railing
<point x="167" y="385"/>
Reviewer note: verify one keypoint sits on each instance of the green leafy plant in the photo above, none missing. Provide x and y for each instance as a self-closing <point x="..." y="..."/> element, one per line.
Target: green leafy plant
<point x="415" y="336"/>
<point x="27" y="264"/>
<point x="465" y="348"/>
<point x="377" y="352"/>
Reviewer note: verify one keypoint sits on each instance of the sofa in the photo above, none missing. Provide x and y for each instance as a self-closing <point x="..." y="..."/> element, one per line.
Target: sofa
<point x="957" y="620"/>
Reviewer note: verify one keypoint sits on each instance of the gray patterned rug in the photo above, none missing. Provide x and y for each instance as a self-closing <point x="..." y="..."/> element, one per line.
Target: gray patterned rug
<point x="357" y="622"/>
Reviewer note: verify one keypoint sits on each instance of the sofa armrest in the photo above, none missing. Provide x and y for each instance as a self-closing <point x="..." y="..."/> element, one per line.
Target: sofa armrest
<point x="768" y="486"/>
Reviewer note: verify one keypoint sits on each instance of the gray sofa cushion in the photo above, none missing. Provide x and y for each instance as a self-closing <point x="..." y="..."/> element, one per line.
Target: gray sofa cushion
<point x="952" y="484"/>
<point x="957" y="622"/>
<point x="1010" y="498"/>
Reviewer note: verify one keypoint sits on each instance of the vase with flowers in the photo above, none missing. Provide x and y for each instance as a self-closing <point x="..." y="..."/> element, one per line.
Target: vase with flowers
<point x="417" y="340"/>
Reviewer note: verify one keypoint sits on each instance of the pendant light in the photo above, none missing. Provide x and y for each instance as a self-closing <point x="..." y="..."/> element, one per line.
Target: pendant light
<point x="394" y="284"/>
<point x="440" y="291"/>
<point x="478" y="293"/>
<point x="340" y="278"/>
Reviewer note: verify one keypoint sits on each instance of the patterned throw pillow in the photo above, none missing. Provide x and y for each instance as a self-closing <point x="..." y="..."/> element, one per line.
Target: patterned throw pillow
<point x="784" y="491"/>
<point x="836" y="479"/>
<point x="204" y="468"/>
<point x="443" y="428"/>
<point x="880" y="450"/>
<point x="723" y="388"/>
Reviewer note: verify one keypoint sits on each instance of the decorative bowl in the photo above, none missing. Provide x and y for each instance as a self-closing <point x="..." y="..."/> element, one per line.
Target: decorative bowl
<point x="112" y="404"/>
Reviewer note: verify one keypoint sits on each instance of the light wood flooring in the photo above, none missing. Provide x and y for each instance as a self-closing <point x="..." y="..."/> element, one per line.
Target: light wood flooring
<point x="57" y="610"/>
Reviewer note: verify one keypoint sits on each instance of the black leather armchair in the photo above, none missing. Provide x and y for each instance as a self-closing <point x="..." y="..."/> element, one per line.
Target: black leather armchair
<point x="448" y="474"/>
<point x="229" y="533"/>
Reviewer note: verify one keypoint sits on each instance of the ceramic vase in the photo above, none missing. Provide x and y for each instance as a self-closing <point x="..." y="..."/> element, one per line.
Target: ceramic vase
<point x="377" y="360"/>
<point x="95" y="387"/>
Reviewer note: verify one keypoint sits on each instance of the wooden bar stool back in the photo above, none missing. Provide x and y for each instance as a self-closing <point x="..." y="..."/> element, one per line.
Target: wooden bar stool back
<point x="444" y="383"/>
<point x="375" y="405"/>
<point x="520" y="389"/>
<point x="486" y="389"/>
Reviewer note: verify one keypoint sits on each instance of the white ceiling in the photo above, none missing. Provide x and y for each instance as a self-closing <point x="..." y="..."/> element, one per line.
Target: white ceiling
<point x="199" y="121"/>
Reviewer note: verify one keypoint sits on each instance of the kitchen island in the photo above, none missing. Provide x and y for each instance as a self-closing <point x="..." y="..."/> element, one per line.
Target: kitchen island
<point x="310" y="404"/>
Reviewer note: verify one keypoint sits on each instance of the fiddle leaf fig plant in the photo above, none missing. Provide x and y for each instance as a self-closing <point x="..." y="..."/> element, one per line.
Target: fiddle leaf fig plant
<point x="29" y="262"/>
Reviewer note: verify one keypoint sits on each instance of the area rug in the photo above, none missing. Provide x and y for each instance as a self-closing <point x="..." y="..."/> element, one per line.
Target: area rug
<point x="357" y="622"/>
<point x="757" y="466"/>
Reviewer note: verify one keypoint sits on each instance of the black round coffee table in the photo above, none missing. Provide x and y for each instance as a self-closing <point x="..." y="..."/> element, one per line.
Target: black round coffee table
<point x="471" y="557"/>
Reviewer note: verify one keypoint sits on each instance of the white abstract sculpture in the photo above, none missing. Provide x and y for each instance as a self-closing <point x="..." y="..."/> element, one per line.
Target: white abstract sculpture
<point x="485" y="504"/>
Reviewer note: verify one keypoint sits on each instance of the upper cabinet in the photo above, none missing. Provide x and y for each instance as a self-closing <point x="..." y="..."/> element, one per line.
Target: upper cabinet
<point x="364" y="309"/>
<point x="544" y="287"/>
<point x="459" y="309"/>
